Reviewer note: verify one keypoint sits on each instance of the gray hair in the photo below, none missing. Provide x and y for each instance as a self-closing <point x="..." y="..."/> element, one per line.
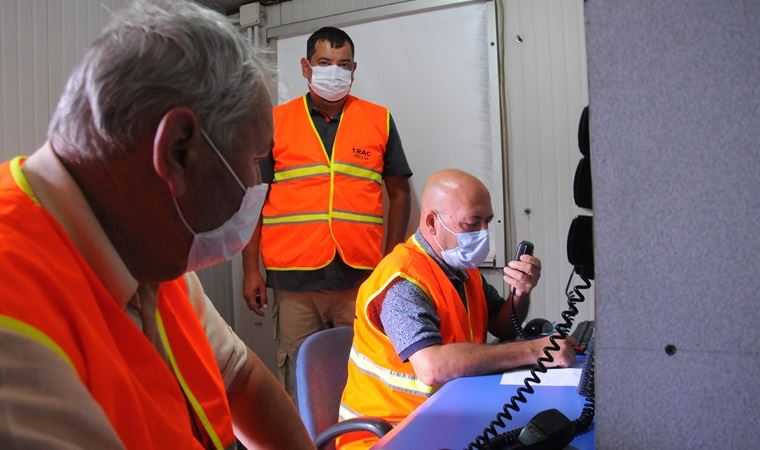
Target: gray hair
<point x="153" y="56"/>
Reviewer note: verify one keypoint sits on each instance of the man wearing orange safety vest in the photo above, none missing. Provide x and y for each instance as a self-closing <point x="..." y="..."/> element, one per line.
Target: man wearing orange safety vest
<point x="423" y="314"/>
<point x="322" y="228"/>
<point x="106" y="337"/>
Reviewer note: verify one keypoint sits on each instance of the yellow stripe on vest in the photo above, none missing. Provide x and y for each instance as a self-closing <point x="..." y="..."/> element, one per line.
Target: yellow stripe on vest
<point x="356" y="217"/>
<point x="295" y="218"/>
<point x="35" y="334"/>
<point x="314" y="128"/>
<point x="301" y="172"/>
<point x="200" y="413"/>
<point x="395" y="380"/>
<point x="20" y="178"/>
<point x="357" y="171"/>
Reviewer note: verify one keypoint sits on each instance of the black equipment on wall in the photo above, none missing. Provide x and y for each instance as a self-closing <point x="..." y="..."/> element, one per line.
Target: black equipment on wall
<point x="580" y="250"/>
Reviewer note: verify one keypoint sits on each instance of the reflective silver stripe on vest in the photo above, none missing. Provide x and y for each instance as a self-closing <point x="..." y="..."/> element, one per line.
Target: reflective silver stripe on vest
<point x="345" y="413"/>
<point x="394" y="380"/>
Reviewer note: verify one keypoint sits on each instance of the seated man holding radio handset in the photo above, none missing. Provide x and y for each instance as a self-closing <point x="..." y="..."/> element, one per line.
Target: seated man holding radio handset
<point x="422" y="316"/>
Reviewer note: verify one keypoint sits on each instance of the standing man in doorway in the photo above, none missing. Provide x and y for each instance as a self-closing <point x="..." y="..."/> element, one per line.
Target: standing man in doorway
<point x="322" y="228"/>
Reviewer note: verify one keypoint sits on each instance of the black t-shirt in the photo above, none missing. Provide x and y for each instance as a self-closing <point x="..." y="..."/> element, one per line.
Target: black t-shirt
<point x="337" y="275"/>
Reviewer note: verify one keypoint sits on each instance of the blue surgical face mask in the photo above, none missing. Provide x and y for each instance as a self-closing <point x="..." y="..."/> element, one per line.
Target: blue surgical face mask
<point x="471" y="250"/>
<point x="222" y="243"/>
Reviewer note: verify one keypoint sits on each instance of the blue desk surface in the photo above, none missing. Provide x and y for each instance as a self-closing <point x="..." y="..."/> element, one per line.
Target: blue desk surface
<point x="452" y="417"/>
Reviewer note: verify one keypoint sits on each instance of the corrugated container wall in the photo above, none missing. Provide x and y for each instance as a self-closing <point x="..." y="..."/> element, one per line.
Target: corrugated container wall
<point x="40" y="42"/>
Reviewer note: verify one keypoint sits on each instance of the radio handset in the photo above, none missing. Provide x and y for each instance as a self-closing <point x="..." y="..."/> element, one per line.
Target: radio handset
<point x="523" y="248"/>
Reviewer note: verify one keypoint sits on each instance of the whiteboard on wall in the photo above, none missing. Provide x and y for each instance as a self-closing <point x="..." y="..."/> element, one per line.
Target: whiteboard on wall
<point x="437" y="72"/>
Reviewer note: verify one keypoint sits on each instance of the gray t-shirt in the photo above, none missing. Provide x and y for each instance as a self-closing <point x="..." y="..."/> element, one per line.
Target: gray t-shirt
<point x="408" y="316"/>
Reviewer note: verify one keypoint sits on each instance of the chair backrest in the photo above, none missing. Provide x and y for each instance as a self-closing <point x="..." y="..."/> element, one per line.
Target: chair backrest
<point x="321" y="372"/>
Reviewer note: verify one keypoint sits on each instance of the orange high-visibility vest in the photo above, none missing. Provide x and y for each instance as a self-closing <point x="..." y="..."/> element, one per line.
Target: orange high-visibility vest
<point x="50" y="294"/>
<point x="318" y="205"/>
<point x="380" y="384"/>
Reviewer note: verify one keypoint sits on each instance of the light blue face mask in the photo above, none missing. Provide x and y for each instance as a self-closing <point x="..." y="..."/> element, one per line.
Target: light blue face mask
<point x="471" y="250"/>
<point x="222" y="243"/>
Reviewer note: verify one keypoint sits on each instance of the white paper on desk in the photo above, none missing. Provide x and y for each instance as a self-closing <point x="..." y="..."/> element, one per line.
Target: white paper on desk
<point x="553" y="377"/>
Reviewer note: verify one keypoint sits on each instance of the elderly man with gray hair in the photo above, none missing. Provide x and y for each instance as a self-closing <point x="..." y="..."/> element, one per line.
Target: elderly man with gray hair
<point x="149" y="173"/>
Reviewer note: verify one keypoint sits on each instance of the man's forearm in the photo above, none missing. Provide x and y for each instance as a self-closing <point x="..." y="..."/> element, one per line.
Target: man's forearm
<point x="399" y="206"/>
<point x="262" y="412"/>
<point x="396" y="230"/>
<point x="521" y="307"/>
<point x="43" y="403"/>
<point x="438" y="364"/>
<point x="251" y="251"/>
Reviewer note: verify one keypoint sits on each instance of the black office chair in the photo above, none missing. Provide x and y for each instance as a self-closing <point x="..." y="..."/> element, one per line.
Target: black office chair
<point x="321" y="373"/>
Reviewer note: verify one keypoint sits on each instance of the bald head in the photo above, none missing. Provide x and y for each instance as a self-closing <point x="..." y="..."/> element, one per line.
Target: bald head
<point x="451" y="189"/>
<point x="459" y="200"/>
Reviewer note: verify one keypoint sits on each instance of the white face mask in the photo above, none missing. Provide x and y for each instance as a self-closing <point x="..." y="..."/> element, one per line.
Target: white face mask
<point x="222" y="243"/>
<point x="332" y="83"/>
<point x="471" y="250"/>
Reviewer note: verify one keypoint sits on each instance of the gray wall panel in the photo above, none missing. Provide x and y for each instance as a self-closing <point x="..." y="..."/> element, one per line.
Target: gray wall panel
<point x="675" y="126"/>
<point x="692" y="408"/>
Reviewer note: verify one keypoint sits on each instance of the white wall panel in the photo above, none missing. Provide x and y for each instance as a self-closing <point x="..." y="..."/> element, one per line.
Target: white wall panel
<point x="546" y="88"/>
<point x="301" y="10"/>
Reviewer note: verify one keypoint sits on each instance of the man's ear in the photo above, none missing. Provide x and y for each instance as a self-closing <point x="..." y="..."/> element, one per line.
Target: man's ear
<point x="306" y="69"/>
<point x="175" y="137"/>
<point x="430" y="222"/>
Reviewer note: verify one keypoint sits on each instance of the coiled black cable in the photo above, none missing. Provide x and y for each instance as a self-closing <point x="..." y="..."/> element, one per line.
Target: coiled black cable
<point x="519" y="332"/>
<point x="490" y="438"/>
<point x="582" y="423"/>
<point x="490" y="433"/>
